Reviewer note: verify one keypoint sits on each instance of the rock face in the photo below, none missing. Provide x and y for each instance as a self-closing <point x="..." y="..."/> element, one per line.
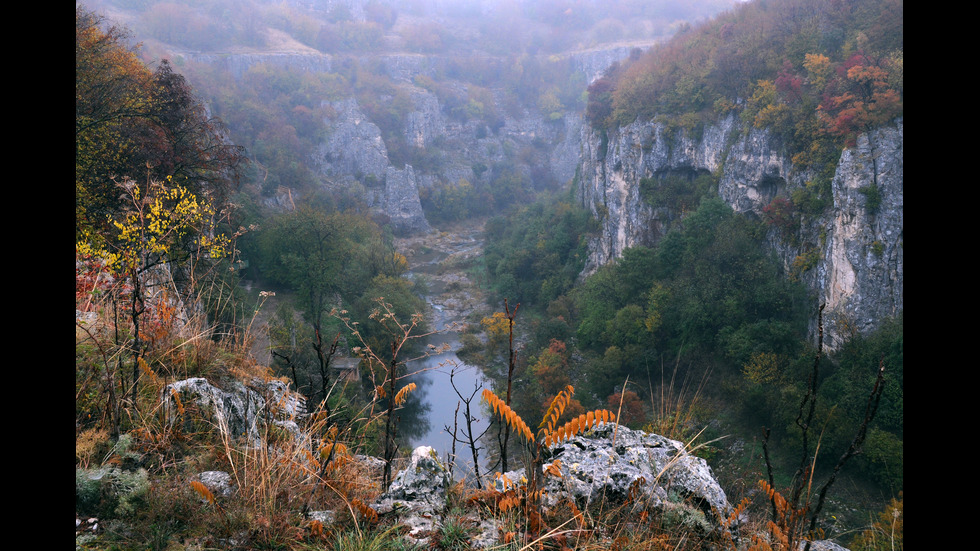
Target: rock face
<point x="401" y="201"/>
<point x="354" y="157"/>
<point x="420" y="487"/>
<point x="354" y="150"/>
<point x="612" y="460"/>
<point x="608" y="463"/>
<point x="417" y="495"/>
<point x="238" y="410"/>
<point x="858" y="274"/>
<point x="861" y="272"/>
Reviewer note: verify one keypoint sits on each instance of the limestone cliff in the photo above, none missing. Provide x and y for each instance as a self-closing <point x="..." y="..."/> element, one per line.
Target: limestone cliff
<point x="354" y="156"/>
<point x="852" y="253"/>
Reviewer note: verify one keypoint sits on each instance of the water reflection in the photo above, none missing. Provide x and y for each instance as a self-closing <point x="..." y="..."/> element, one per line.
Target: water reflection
<point x="437" y="407"/>
<point x="414" y="414"/>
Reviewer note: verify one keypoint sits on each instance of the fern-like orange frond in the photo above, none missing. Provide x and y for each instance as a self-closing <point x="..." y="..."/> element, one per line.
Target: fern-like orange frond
<point x="367" y="512"/>
<point x="203" y="491"/>
<point x="737" y="512"/>
<point x="554" y="469"/>
<point x="508" y="502"/>
<point x="336" y="448"/>
<point x="510" y="416"/>
<point x="579" y="425"/>
<point x="576" y="513"/>
<point x="176" y="397"/>
<point x="555" y="409"/>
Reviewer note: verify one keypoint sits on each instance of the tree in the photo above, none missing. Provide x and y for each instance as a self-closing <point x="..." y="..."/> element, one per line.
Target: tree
<point x="129" y="120"/>
<point x="860" y="98"/>
<point x="192" y="145"/>
<point x="163" y="227"/>
<point x="789" y="525"/>
<point x="630" y="407"/>
<point x="110" y="84"/>
<point x="307" y="250"/>
<point x="330" y="259"/>
<point x="385" y="365"/>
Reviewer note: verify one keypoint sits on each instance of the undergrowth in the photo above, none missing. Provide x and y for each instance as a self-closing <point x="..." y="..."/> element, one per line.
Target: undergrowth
<point x="306" y="487"/>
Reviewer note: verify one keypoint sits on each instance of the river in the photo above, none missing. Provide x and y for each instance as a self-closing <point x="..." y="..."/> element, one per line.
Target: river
<point x="442" y="259"/>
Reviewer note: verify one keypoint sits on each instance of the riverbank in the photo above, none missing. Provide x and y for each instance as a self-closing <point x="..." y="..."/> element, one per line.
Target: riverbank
<point x="444" y="260"/>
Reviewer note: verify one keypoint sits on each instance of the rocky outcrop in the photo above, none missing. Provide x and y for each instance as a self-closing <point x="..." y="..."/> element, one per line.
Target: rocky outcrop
<point x="238" y="411"/>
<point x="857" y="269"/>
<point x="611" y="461"/>
<point x="425" y="123"/>
<point x="608" y="464"/>
<point x="595" y="61"/>
<point x="474" y="146"/>
<point x="420" y="487"/>
<point x="355" y="155"/>
<point x="861" y="266"/>
<point x="401" y="202"/>
<point x="354" y="151"/>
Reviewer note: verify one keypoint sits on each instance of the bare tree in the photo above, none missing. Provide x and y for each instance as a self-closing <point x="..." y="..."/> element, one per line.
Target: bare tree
<point x="791" y="515"/>
<point x="387" y="376"/>
<point x="468" y="438"/>
<point x="505" y="437"/>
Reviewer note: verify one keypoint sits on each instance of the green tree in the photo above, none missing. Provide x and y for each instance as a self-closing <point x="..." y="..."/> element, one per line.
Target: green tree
<point x="306" y="250"/>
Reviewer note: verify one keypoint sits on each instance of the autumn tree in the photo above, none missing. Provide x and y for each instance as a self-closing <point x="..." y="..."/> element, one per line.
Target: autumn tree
<point x="630" y="407"/>
<point x="131" y="122"/>
<point x="152" y="172"/>
<point x="550" y="370"/>
<point x="860" y="98"/>
<point x="162" y="228"/>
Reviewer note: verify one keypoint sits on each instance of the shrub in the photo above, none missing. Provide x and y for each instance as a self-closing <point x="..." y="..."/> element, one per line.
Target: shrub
<point x="872" y="198"/>
<point x="110" y="492"/>
<point x="885" y="534"/>
<point x="779" y="214"/>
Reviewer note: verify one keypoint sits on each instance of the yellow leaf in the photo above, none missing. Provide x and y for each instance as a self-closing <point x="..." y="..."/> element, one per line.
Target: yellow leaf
<point x="403" y="393"/>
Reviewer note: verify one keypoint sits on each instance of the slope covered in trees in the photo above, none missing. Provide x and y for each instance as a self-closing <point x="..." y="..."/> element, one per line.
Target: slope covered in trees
<point x="283" y="114"/>
<point x="707" y="302"/>
<point x="815" y="71"/>
<point x="132" y="123"/>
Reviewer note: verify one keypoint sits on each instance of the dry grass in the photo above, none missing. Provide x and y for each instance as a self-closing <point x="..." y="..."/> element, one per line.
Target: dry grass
<point x="281" y="480"/>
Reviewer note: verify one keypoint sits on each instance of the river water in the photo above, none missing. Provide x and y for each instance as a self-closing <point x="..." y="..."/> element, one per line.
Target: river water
<point x="445" y="382"/>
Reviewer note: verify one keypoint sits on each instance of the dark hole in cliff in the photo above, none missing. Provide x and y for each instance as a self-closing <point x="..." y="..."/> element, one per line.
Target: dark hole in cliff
<point x="768" y="186"/>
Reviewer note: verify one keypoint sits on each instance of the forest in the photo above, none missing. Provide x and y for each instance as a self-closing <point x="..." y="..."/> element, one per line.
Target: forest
<point x="201" y="207"/>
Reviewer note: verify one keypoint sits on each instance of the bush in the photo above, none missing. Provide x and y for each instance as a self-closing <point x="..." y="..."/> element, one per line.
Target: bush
<point x="110" y="492"/>
<point x="779" y="214"/>
<point x="872" y="198"/>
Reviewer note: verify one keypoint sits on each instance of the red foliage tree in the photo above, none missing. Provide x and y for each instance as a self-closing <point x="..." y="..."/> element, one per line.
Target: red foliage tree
<point x="860" y="98"/>
<point x="630" y="408"/>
